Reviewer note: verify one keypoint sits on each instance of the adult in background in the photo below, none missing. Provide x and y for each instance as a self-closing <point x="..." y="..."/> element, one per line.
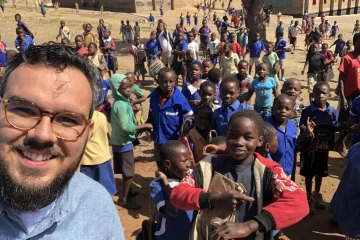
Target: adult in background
<point x="43" y="133"/>
<point x="165" y="40"/>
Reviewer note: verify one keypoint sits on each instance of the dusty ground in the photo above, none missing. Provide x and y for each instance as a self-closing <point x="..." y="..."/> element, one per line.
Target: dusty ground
<point x="46" y="28"/>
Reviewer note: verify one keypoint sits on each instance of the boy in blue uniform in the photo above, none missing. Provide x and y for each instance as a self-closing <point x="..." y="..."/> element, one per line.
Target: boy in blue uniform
<point x="173" y="166"/>
<point x="168" y="109"/>
<point x="204" y="33"/>
<point x="280" y="49"/>
<point x="229" y="93"/>
<point x="255" y="48"/>
<point x="23" y="41"/>
<point x="3" y="51"/>
<point x="339" y="46"/>
<point x="321" y="119"/>
<point x="286" y="132"/>
<point x="151" y="20"/>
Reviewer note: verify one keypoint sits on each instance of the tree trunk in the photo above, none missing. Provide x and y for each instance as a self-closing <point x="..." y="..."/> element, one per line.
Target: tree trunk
<point x="255" y="18"/>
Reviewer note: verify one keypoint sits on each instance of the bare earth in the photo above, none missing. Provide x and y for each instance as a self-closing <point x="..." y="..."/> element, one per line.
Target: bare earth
<point x="46" y="28"/>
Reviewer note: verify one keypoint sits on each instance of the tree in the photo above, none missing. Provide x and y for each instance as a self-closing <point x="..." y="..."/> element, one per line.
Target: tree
<point x="255" y="18"/>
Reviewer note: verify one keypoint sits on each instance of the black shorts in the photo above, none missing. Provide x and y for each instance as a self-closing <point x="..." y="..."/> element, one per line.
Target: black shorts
<point x="124" y="163"/>
<point x="314" y="166"/>
<point x="292" y="40"/>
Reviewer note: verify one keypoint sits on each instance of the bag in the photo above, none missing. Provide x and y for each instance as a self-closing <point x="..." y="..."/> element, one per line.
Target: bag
<point x="114" y="62"/>
<point x="155" y="66"/>
<point x="140" y="55"/>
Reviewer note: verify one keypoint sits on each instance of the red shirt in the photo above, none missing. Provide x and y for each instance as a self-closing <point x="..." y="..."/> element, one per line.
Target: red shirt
<point x="83" y="51"/>
<point x="236" y="47"/>
<point x="350" y="66"/>
<point x="162" y="100"/>
<point x="237" y="21"/>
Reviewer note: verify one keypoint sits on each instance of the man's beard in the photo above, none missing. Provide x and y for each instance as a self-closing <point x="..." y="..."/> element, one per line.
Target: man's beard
<point x="25" y="198"/>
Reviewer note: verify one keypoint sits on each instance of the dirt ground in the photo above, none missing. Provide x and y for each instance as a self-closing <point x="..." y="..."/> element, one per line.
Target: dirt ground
<point x="46" y="28"/>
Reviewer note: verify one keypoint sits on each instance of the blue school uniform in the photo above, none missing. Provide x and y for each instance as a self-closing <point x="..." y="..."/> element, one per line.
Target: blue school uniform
<point x="221" y="116"/>
<point x="204" y="30"/>
<point x="280" y="44"/>
<point x="224" y="27"/>
<point x="174" y="228"/>
<point x="255" y="48"/>
<point x="183" y="45"/>
<point x="345" y="203"/>
<point x="28" y="42"/>
<point x="187" y="66"/>
<point x="161" y="12"/>
<point x="3" y="50"/>
<point x="355" y="112"/>
<point x="181" y="19"/>
<point x="196" y="19"/>
<point x="191" y="93"/>
<point x="104" y="91"/>
<point x="152" y="47"/>
<point x="217" y="94"/>
<point x="285" y="154"/>
<point x="339" y="46"/>
<point x="334" y="30"/>
<point x="152" y="18"/>
<point x="168" y="118"/>
<point x="188" y="19"/>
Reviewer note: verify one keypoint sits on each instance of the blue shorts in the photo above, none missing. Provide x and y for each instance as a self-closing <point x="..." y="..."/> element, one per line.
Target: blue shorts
<point x="265" y="112"/>
<point x="102" y="173"/>
<point x="214" y="58"/>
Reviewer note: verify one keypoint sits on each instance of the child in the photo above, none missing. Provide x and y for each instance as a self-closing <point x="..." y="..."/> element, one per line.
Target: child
<point x="207" y="65"/>
<point x="182" y="18"/>
<point x="279" y="203"/>
<point x="235" y="46"/>
<point x="89" y="36"/>
<point x="316" y="67"/>
<point x="242" y="40"/>
<point x="280" y="49"/>
<point x="214" y="76"/>
<point x="23" y="41"/>
<point x="264" y="86"/>
<point x="196" y="19"/>
<point x="123" y="30"/>
<point x="101" y="29"/>
<point x="270" y="143"/>
<point x="96" y="161"/>
<point x="173" y="166"/>
<point x="137" y="98"/>
<point x="97" y="59"/>
<point x="204" y="33"/>
<point x="137" y="29"/>
<point x="23" y="26"/>
<point x="79" y="45"/>
<point x="294" y="31"/>
<point x="255" y="48"/>
<point x="190" y="58"/>
<point x="138" y="52"/>
<point x="162" y="13"/>
<point x="108" y="47"/>
<point x="279" y="28"/>
<point x="356" y="27"/>
<point x="216" y="146"/>
<point x="244" y="80"/>
<point x="152" y="20"/>
<point x="292" y="87"/>
<point x="327" y="29"/>
<point x="348" y="48"/>
<point x="188" y="19"/>
<point x="42" y="9"/>
<point x="334" y="29"/>
<point x="199" y="135"/>
<point x="193" y="45"/>
<point x="3" y="52"/>
<point x="64" y="31"/>
<point x="129" y="31"/>
<point x="339" y="46"/>
<point x="213" y="47"/>
<point x="319" y="117"/>
<point x="207" y="93"/>
<point x="279" y="15"/>
<point x="229" y="93"/>
<point x="286" y="132"/>
<point x="272" y="60"/>
<point x="229" y="61"/>
<point x="190" y="89"/>
<point x="124" y="128"/>
<point x="168" y="105"/>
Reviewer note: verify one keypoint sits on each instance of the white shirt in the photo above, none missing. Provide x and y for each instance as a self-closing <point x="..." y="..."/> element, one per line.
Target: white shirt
<point x="213" y="46"/>
<point x="294" y="30"/>
<point x="193" y="46"/>
<point x="165" y="44"/>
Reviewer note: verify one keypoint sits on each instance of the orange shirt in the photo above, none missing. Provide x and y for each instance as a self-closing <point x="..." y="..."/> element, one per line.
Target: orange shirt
<point x="350" y="65"/>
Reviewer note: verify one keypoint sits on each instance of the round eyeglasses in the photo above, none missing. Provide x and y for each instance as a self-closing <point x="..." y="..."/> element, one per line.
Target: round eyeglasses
<point x="26" y="116"/>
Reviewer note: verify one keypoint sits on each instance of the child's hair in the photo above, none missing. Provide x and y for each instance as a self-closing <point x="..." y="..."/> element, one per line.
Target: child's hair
<point x="136" y="23"/>
<point x="269" y="132"/>
<point x="230" y="79"/>
<point x="228" y="45"/>
<point x="262" y="64"/>
<point x="356" y="37"/>
<point x="214" y="75"/>
<point x="280" y="33"/>
<point x="10" y="54"/>
<point x="67" y="40"/>
<point x="321" y="84"/>
<point x="196" y="63"/>
<point x="168" y="149"/>
<point x="165" y="70"/>
<point x="92" y="44"/>
<point x="108" y="31"/>
<point x="340" y="35"/>
<point x="269" y="44"/>
<point x="225" y="18"/>
<point x="281" y="97"/>
<point x="206" y="61"/>
<point x="243" y="61"/>
<point x="79" y="36"/>
<point x="207" y="84"/>
<point x="252" y="115"/>
<point x="18" y="15"/>
<point x="203" y="108"/>
<point x="218" y="141"/>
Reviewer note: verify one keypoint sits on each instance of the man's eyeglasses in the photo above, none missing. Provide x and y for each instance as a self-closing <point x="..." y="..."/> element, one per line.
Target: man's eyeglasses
<point x="26" y="116"/>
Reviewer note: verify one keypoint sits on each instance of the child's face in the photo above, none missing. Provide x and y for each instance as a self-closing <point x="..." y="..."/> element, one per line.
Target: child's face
<point x="242" y="138"/>
<point x="324" y="47"/>
<point x="101" y="22"/>
<point x="125" y="88"/>
<point x="229" y="92"/>
<point x="131" y="78"/>
<point x="292" y="88"/>
<point x="213" y="37"/>
<point x="79" y="42"/>
<point x="92" y="49"/>
<point x="20" y="33"/>
<point x="64" y="42"/>
<point x="262" y="70"/>
<point x="191" y="37"/>
<point x="17" y="18"/>
<point x="153" y="36"/>
<point x="242" y="68"/>
<point x="190" y="55"/>
<point x="282" y="110"/>
<point x="195" y="71"/>
<point x="166" y="82"/>
<point x="227" y="50"/>
<point x="137" y="40"/>
<point x="224" y="36"/>
<point x="232" y="38"/>
<point x="207" y="66"/>
<point x="314" y="48"/>
<point x="62" y="24"/>
<point x="321" y="94"/>
<point x="204" y="23"/>
<point x="88" y="28"/>
<point x="203" y="120"/>
<point x="257" y="37"/>
<point x="180" y="164"/>
<point x="272" y="146"/>
<point x="340" y="37"/>
<point x="207" y="95"/>
<point x="269" y="48"/>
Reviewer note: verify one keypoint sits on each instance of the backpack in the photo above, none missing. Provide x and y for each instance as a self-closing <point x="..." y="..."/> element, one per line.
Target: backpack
<point x="140" y="55"/>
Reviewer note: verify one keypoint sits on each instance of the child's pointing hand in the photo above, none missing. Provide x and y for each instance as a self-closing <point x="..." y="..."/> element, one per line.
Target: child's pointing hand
<point x="228" y="199"/>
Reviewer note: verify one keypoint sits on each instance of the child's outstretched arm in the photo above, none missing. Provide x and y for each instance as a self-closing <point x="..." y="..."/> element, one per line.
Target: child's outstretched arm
<point x="275" y="92"/>
<point x="249" y="95"/>
<point x="308" y="133"/>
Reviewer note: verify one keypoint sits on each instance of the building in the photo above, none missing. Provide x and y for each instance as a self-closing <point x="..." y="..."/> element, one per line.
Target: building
<point x="314" y="7"/>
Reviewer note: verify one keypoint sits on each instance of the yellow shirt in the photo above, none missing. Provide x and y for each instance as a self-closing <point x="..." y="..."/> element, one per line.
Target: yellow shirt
<point x="97" y="148"/>
<point x="229" y="64"/>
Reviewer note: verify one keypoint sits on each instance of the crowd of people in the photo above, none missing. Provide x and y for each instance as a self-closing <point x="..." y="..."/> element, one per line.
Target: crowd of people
<point x="204" y="133"/>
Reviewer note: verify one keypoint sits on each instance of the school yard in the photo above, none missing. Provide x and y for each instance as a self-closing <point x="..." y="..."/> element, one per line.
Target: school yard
<point x="317" y="227"/>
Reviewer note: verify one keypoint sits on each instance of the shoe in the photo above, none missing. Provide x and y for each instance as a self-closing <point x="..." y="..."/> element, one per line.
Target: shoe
<point x="133" y="193"/>
<point x="283" y="79"/>
<point x="131" y="204"/>
<point x="319" y="202"/>
<point x="311" y="204"/>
